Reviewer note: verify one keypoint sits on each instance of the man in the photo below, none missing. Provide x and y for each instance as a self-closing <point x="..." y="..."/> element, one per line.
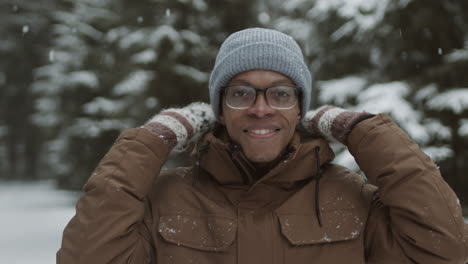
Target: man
<point x="260" y="190"/>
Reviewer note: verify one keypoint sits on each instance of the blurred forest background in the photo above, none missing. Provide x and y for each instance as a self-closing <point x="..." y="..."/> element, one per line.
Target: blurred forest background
<point x="73" y="74"/>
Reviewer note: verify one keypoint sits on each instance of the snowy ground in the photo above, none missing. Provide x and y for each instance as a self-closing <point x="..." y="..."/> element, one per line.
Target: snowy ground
<point x="32" y="218"/>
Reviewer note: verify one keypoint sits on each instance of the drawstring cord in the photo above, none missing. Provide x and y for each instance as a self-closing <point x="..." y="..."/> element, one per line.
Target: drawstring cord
<point x="317" y="179"/>
<point x="234" y="151"/>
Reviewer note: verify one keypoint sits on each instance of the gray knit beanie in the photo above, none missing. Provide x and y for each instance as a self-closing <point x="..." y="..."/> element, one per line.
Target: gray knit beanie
<point x="261" y="49"/>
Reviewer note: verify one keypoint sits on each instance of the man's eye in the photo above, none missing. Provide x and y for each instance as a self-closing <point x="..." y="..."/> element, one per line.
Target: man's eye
<point x="239" y="94"/>
<point x="282" y="94"/>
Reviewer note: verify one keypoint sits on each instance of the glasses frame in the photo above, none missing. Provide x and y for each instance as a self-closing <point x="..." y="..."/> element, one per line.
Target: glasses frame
<point x="297" y="92"/>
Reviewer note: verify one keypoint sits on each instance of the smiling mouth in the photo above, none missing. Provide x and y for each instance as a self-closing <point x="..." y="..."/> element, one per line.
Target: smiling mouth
<point x="261" y="132"/>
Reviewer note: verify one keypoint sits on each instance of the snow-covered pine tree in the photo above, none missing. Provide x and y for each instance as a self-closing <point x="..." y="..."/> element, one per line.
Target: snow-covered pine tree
<point x="68" y="82"/>
<point x="432" y="33"/>
<point x="116" y="63"/>
<point x="445" y="99"/>
<point x="24" y="36"/>
<point x="394" y="57"/>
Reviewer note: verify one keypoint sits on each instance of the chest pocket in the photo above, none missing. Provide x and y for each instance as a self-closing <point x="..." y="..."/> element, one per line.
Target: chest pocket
<point x="196" y="239"/>
<point x="339" y="240"/>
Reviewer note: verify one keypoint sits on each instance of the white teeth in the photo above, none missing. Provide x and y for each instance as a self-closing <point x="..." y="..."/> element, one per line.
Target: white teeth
<point x="261" y="131"/>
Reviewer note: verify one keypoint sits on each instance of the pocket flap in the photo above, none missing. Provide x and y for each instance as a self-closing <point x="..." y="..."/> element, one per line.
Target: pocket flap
<point x="209" y="233"/>
<point x="338" y="225"/>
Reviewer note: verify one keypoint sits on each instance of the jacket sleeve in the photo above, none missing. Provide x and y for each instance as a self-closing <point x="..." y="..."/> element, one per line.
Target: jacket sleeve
<point x="112" y="221"/>
<point x="415" y="216"/>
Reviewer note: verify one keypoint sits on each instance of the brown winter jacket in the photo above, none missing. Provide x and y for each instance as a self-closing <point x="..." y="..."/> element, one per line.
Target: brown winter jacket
<point x="218" y="212"/>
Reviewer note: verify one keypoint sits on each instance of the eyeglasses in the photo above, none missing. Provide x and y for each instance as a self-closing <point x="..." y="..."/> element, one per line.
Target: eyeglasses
<point x="277" y="97"/>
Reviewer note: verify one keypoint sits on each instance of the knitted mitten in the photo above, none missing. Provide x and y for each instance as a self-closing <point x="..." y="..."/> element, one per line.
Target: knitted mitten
<point x="332" y="123"/>
<point x="178" y="127"/>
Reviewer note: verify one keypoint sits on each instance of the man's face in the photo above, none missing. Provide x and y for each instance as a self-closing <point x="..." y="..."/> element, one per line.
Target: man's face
<point x="262" y="132"/>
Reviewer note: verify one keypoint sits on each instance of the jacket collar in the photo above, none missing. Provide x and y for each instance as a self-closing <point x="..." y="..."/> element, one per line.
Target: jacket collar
<point x="226" y="163"/>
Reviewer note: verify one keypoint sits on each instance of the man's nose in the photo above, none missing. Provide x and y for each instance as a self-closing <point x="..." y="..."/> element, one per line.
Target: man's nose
<point x="260" y="107"/>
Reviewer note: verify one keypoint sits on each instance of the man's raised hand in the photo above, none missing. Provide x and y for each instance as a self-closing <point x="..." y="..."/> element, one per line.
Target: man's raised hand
<point x="178" y="127"/>
<point x="332" y="123"/>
